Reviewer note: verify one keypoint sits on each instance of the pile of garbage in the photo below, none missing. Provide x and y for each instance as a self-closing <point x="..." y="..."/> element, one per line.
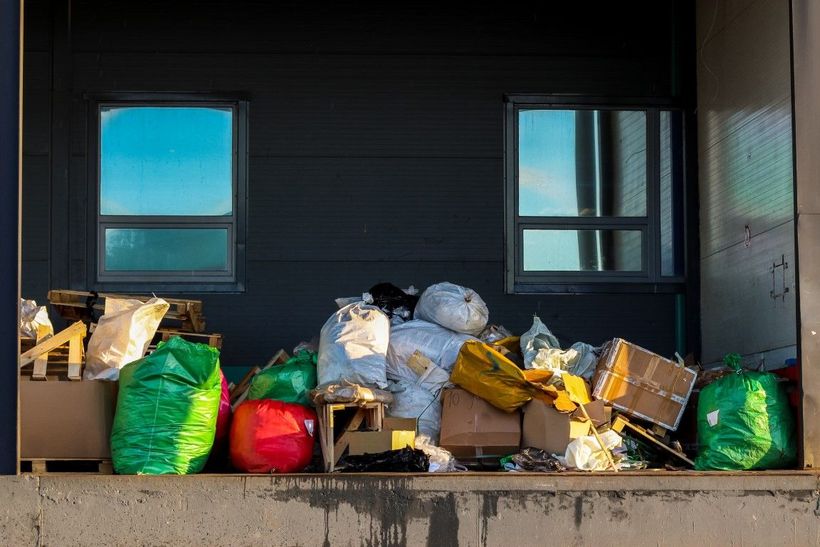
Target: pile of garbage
<point x="402" y="381"/>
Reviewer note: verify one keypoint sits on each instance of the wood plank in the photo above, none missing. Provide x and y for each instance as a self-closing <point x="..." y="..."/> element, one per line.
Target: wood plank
<point x="62" y="337"/>
<point x="75" y="358"/>
<point x="620" y="423"/>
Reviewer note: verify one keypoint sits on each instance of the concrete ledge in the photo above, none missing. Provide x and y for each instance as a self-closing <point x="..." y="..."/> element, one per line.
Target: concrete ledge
<point x="393" y="509"/>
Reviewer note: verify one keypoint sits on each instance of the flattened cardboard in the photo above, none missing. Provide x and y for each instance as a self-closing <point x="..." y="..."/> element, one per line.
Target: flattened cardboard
<point x="643" y="384"/>
<point x="473" y="428"/>
<point x="396" y="433"/>
<point x="550" y="430"/>
<point x="65" y="419"/>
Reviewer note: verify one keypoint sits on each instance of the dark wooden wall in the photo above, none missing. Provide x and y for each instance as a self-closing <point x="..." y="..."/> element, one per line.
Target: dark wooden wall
<point x="376" y="143"/>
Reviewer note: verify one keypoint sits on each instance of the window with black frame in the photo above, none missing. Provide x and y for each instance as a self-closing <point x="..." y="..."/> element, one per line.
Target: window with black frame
<point x="170" y="193"/>
<point x="594" y="196"/>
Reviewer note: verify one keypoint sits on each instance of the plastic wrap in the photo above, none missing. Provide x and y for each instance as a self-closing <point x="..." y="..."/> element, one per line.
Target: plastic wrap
<point x="167" y="410"/>
<point x="454" y="307"/>
<point x="353" y="347"/>
<point x="223" y="417"/>
<point x="34" y="321"/>
<point x="270" y="436"/>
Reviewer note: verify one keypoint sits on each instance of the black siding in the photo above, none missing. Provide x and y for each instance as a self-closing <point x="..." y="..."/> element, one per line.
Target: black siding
<point x="376" y="144"/>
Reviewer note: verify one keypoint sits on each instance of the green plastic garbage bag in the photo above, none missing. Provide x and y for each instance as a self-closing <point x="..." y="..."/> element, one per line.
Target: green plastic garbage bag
<point x="745" y="422"/>
<point x="289" y="382"/>
<point x="166" y="410"/>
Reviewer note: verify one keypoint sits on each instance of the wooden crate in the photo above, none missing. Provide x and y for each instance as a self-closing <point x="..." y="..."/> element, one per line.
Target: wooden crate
<point x="334" y="447"/>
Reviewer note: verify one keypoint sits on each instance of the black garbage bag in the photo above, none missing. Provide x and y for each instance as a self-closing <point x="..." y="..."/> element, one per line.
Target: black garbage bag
<point x="407" y="460"/>
<point x="532" y="459"/>
<point x="393" y="300"/>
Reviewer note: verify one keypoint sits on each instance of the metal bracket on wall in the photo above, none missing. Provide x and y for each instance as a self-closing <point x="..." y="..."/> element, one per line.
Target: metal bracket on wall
<point x="779" y="267"/>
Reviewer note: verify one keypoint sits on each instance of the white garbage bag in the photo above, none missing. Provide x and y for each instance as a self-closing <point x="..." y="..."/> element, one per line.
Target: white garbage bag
<point x="34" y="321"/>
<point x="413" y="401"/>
<point x="353" y="347"/>
<point x="123" y="334"/>
<point x="454" y="307"/>
<point x="585" y="452"/>
<point x="438" y="344"/>
<point x="542" y="351"/>
<point x="421" y="371"/>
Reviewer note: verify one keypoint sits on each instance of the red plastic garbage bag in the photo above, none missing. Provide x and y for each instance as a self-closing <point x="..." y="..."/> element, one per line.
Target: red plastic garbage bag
<point x="269" y="436"/>
<point x="223" y="417"/>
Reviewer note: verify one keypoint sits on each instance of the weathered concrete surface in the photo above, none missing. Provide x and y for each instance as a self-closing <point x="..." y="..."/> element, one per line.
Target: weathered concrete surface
<point x="19" y="510"/>
<point x="474" y="509"/>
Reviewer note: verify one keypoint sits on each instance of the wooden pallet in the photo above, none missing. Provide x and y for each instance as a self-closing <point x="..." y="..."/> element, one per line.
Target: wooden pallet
<point x="39" y="355"/>
<point x="620" y="423"/>
<point x="46" y="466"/>
<point x="333" y="447"/>
<point x="87" y="306"/>
<point x="213" y="339"/>
<point x="163" y="335"/>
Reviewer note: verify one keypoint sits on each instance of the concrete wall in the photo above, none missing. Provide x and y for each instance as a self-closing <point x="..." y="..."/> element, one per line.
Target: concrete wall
<point x="630" y="510"/>
<point x="746" y="182"/>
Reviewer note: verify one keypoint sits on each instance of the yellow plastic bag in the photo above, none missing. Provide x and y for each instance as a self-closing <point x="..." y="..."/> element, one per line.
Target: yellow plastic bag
<point x="486" y="373"/>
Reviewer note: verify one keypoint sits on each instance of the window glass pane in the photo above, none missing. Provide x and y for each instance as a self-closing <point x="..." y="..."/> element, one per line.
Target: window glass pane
<point x="166" y="161"/>
<point x="166" y="249"/>
<point x="581" y="163"/>
<point x="671" y="214"/>
<point x="583" y="250"/>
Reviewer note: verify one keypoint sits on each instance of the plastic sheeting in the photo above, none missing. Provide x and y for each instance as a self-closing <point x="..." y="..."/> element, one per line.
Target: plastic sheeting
<point x="167" y="410"/>
<point x="454" y="307"/>
<point x="122" y="336"/>
<point x="270" y="436"/>
<point x="353" y="347"/>
<point x="34" y="321"/>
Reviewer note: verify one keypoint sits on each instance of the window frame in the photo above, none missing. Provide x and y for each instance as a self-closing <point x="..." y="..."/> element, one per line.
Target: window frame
<point x="176" y="281"/>
<point x="650" y="278"/>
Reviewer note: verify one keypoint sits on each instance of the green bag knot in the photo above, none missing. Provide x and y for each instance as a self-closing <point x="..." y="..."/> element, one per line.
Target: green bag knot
<point x="732" y="360"/>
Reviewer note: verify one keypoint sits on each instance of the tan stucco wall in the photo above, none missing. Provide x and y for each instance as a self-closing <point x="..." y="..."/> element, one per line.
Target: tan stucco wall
<point x="484" y="509"/>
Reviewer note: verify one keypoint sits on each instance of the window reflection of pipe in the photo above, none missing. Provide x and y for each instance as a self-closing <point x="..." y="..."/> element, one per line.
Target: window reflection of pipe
<point x="585" y="181"/>
<point x="598" y="190"/>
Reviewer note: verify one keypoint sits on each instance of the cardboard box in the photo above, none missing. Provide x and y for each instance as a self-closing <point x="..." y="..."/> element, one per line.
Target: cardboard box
<point x="67" y="420"/>
<point x="473" y="428"/>
<point x="550" y="430"/>
<point x="396" y="433"/>
<point x="643" y="384"/>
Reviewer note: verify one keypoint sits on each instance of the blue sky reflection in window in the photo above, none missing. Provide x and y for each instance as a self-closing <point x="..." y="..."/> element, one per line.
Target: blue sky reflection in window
<point x="166" y="160"/>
